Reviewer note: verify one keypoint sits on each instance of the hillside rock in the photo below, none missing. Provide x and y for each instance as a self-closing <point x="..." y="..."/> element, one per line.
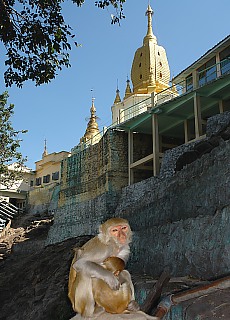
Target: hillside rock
<point x="34" y="278"/>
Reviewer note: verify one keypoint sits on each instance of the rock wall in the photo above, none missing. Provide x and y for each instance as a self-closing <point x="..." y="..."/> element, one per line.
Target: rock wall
<point x="90" y="187"/>
<point x="43" y="200"/>
<point x="182" y="221"/>
<point x="180" y="218"/>
<point x="96" y="170"/>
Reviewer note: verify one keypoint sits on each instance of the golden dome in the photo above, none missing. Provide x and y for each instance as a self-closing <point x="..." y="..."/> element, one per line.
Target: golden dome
<point x="150" y="70"/>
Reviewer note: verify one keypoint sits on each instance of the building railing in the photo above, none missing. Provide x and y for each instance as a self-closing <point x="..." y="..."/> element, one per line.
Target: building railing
<point x="85" y="144"/>
<point x="135" y="109"/>
<point x="125" y="115"/>
<point x="204" y="77"/>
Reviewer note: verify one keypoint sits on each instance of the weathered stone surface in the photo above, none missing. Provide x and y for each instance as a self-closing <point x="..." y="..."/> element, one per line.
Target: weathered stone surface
<point x="96" y="170"/>
<point x="82" y="218"/>
<point x="186" y="158"/>
<point x="177" y="220"/>
<point x="172" y="215"/>
<point x="44" y="199"/>
<point x="196" y="246"/>
<point x="214" y="306"/>
<point x="34" y="278"/>
<point x="33" y="282"/>
<point x="218" y="127"/>
<point x="218" y="124"/>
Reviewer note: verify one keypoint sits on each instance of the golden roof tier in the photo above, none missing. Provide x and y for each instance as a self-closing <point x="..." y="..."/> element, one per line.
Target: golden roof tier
<point x="150" y="70"/>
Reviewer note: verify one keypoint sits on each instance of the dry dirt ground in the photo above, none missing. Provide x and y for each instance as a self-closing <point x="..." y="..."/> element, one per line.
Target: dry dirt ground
<point x="34" y="278"/>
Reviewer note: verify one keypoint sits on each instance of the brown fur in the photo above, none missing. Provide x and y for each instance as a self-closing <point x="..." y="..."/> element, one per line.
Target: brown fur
<point x="90" y="283"/>
<point x="113" y="301"/>
<point x="114" y="264"/>
<point x="72" y="279"/>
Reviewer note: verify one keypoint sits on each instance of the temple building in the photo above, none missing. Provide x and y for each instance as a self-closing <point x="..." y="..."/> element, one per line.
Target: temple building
<point x="154" y="117"/>
<point x="178" y="115"/>
<point x="48" y="169"/>
<point x="150" y="73"/>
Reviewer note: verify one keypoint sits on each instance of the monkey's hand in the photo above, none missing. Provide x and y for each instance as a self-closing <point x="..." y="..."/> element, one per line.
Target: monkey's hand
<point x="112" y="281"/>
<point x="94" y="270"/>
<point x="133" y="306"/>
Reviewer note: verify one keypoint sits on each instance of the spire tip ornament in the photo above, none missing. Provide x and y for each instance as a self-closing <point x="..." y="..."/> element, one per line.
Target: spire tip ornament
<point x="45" y="152"/>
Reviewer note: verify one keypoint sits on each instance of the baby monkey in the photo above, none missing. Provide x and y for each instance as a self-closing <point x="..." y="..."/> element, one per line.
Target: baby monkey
<point x="113" y="301"/>
<point x="114" y="264"/>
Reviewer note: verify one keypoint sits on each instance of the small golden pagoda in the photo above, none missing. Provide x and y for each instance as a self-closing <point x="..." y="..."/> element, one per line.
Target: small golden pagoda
<point x="92" y="134"/>
<point x="117" y="98"/>
<point x="128" y="91"/>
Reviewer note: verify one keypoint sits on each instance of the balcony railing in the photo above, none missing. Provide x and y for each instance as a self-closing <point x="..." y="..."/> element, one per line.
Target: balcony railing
<point x="177" y="89"/>
<point x="204" y="77"/>
<point x="135" y="109"/>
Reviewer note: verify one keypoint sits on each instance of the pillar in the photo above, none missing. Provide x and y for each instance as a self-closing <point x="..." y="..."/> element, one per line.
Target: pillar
<point x="130" y="156"/>
<point x="155" y="134"/>
<point x="197" y="115"/>
<point x="218" y="66"/>
<point x="186" y="131"/>
<point x="221" y="106"/>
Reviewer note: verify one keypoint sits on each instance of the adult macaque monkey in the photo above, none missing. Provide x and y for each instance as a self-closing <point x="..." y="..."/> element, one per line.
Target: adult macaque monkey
<point x="112" y="241"/>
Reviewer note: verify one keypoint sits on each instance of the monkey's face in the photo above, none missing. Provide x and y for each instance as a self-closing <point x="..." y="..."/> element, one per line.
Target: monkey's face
<point x="120" y="233"/>
<point x="116" y="229"/>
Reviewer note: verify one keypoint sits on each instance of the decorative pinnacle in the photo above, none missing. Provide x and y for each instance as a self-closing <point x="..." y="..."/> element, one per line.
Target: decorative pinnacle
<point x="117" y="98"/>
<point x="93" y="109"/>
<point x="149" y="14"/>
<point x="45" y="152"/>
<point x="128" y="90"/>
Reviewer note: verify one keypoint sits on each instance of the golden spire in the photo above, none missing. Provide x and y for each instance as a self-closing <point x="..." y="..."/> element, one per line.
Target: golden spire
<point x="92" y="129"/>
<point x="149" y="35"/>
<point x="45" y="152"/>
<point x="117" y="98"/>
<point x="150" y="70"/>
<point x="128" y="91"/>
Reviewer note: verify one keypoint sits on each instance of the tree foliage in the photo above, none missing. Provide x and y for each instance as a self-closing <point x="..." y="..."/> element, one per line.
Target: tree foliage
<point x="9" y="145"/>
<point x="37" y="39"/>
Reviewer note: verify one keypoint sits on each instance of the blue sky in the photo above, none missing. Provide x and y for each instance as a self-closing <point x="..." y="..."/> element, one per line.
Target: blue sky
<point x="57" y="111"/>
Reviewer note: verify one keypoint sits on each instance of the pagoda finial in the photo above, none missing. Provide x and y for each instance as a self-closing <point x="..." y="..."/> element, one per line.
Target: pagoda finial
<point x="45" y="152"/>
<point x="128" y="91"/>
<point x="92" y="109"/>
<point x="117" y="98"/>
<point x="149" y="14"/>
